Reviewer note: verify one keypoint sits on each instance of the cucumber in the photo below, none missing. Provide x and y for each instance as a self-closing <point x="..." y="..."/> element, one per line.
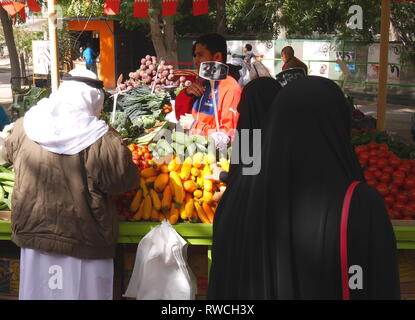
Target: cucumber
<point x="152" y="147"/>
<point x="3" y="206"/>
<point x="8" y="189"/>
<point x="165" y="145"/>
<point x="191" y="149"/>
<point x="211" y="149"/>
<point x="2" y="193"/>
<point x="6" y="176"/>
<point x="201" y="148"/>
<point x="7" y="183"/>
<point x="200" y="140"/>
<point x="5" y="170"/>
<point x="181" y="138"/>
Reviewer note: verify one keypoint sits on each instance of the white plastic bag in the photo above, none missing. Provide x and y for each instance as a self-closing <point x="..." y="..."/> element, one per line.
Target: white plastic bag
<point x="161" y="271"/>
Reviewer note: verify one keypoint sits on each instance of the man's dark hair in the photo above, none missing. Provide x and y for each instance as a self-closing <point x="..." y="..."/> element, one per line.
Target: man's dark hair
<point x="214" y="43"/>
<point x="288" y="50"/>
<point x="248" y="47"/>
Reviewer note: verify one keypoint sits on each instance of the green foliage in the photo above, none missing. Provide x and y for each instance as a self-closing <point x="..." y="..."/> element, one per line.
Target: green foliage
<point x="81" y="8"/>
<point x="403" y="19"/>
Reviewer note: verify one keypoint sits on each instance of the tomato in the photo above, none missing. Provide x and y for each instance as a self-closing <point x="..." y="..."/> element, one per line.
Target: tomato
<point x="372" y="146"/>
<point x="359" y="149"/>
<point x="410" y="183"/>
<point x="136" y="147"/>
<point x="402" y="197"/>
<point x="373" y="153"/>
<point x="411" y="194"/>
<point x="384" y="155"/>
<point x="378" y="173"/>
<point x="407" y="218"/>
<point x="372" y="183"/>
<point x="364" y="155"/>
<point x="131" y="147"/>
<point x="363" y="163"/>
<point x="383" y="147"/>
<point x="385" y="177"/>
<point x="147" y="156"/>
<point x="394" y="161"/>
<point x="398" y="206"/>
<point x="372" y="169"/>
<point x="399" y="174"/>
<point x="373" y="161"/>
<point x="368" y="175"/>
<point x="388" y="169"/>
<point x="393" y="190"/>
<point x="405" y="168"/>
<point x="389" y="200"/>
<point x="395" y="214"/>
<point x="412" y="204"/>
<point x="398" y="182"/>
<point x="407" y="211"/>
<point x="382" y="163"/>
<point x="383" y="189"/>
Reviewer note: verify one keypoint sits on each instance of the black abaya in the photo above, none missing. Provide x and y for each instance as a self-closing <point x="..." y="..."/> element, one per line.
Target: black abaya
<point x="276" y="235"/>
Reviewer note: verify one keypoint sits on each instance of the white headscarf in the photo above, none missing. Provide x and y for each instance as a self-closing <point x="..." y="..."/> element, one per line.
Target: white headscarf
<point x="67" y="122"/>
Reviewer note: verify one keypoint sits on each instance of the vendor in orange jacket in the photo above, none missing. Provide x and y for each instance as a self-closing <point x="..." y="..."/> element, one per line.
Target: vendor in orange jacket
<point x="194" y="105"/>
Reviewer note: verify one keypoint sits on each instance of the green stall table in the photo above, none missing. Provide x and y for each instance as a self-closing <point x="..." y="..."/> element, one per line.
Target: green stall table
<point x="201" y="234"/>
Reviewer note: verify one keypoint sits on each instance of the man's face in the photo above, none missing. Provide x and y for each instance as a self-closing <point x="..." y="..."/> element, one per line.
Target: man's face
<point x="245" y="49"/>
<point x="203" y="55"/>
<point x="284" y="57"/>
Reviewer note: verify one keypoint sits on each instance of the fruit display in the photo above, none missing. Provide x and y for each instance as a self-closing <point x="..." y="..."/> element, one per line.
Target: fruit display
<point x="141" y="156"/>
<point x="176" y="191"/>
<point x="185" y="146"/>
<point x="155" y="74"/>
<point x="6" y="187"/>
<point x="392" y="176"/>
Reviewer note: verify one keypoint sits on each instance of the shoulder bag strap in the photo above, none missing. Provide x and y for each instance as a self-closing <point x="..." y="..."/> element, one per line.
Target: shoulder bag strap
<point x="343" y="241"/>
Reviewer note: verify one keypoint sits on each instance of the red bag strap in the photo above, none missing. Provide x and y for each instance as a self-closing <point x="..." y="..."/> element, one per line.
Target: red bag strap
<point x="343" y="240"/>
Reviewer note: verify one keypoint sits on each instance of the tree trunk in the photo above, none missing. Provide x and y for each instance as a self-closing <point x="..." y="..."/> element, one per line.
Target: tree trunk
<point x="221" y="16"/>
<point x="163" y="36"/>
<point x="170" y="40"/>
<point x="11" y="46"/>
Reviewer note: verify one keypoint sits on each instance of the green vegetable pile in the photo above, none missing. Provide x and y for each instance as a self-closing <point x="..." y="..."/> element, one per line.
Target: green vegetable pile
<point x="137" y="110"/>
<point x="397" y="145"/>
<point x="6" y="187"/>
<point x="185" y="146"/>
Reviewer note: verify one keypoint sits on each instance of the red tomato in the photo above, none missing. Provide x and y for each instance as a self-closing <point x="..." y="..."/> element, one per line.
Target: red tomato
<point x="398" y="182"/>
<point x="410" y="183"/>
<point x="364" y="155"/>
<point x="411" y="194"/>
<point x="398" y="206"/>
<point x="402" y="197"/>
<point x="372" y="169"/>
<point x="147" y="156"/>
<point x="385" y="177"/>
<point x="394" y="161"/>
<point x="368" y="175"/>
<point x="405" y="168"/>
<point x="360" y="149"/>
<point x="131" y="147"/>
<point x="373" y="161"/>
<point x="373" y="145"/>
<point x="378" y="173"/>
<point x="372" y="183"/>
<point x="139" y="152"/>
<point x="363" y="163"/>
<point x="399" y="174"/>
<point x="384" y="155"/>
<point x="389" y="200"/>
<point x="374" y="153"/>
<point x="388" y="169"/>
<point x="383" y="147"/>
<point x="136" y="147"/>
<point x="382" y="163"/>
<point x="393" y="190"/>
<point x="407" y="211"/>
<point x="382" y="188"/>
<point x="407" y="218"/>
<point x="412" y="204"/>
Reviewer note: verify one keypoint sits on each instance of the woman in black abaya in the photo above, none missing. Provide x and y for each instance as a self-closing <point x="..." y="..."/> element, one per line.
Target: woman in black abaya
<point x="281" y="238"/>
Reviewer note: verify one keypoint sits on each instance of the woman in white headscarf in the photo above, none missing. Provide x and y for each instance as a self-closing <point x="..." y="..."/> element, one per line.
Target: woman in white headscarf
<point x="68" y="163"/>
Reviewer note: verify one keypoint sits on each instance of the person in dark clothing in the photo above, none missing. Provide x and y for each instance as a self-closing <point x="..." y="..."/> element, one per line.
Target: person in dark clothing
<point x="276" y="235"/>
<point x="256" y="100"/>
<point x="290" y="60"/>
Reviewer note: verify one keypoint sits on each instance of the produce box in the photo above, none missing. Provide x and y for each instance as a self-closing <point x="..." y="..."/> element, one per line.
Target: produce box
<point x="407" y="272"/>
<point x="9" y="277"/>
<point x="198" y="262"/>
<point x="5" y="215"/>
